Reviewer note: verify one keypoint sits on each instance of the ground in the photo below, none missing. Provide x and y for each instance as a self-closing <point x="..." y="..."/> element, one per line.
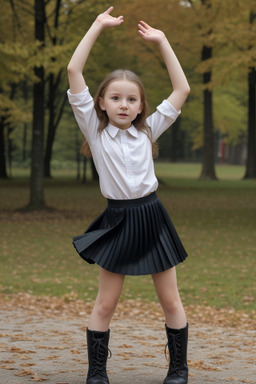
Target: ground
<point x="43" y="339"/>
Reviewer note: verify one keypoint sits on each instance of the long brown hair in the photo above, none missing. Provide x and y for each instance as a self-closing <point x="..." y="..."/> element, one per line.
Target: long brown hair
<point x="139" y="122"/>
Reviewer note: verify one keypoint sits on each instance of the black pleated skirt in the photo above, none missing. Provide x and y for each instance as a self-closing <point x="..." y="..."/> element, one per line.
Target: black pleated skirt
<point x="132" y="237"/>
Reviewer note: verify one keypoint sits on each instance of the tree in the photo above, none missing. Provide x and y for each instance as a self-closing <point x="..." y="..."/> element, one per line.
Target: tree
<point x="206" y="27"/>
<point x="251" y="146"/>
<point x="236" y="32"/>
<point x="251" y="155"/>
<point x="55" y="103"/>
<point x="3" y="168"/>
<point x="37" y="152"/>
<point x="208" y="167"/>
<point x="14" y="69"/>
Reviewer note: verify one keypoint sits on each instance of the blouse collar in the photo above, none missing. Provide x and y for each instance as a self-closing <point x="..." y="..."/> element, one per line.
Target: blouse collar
<point x="113" y="131"/>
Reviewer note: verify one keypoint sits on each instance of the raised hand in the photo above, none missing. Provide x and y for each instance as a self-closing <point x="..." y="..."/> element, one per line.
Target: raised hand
<point x="108" y="21"/>
<point x="150" y="34"/>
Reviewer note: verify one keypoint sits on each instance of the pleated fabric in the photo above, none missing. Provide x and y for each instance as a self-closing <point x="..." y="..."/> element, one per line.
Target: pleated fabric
<point x="132" y="237"/>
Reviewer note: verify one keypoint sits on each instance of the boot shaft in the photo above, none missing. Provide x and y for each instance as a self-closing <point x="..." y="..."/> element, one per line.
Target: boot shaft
<point x="177" y="345"/>
<point x="97" y="345"/>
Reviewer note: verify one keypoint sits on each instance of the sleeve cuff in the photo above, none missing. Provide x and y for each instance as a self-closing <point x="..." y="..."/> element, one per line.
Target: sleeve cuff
<point x="168" y="109"/>
<point x="78" y="98"/>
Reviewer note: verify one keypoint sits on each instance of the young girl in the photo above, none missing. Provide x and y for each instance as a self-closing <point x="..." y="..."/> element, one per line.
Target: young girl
<point x="134" y="235"/>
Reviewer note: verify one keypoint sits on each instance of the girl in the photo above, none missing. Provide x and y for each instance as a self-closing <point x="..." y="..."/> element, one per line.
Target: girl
<point x="134" y="235"/>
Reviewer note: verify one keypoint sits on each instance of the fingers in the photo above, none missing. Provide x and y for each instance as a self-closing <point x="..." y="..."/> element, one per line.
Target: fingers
<point x="142" y="28"/>
<point x="145" y="25"/>
<point x="109" y="10"/>
<point x="119" y="19"/>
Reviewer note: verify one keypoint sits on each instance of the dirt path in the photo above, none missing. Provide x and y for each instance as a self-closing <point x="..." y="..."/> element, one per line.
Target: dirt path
<point x="41" y="341"/>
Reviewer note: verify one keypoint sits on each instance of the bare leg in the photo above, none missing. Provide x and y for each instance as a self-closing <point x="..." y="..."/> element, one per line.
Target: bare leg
<point x="110" y="288"/>
<point x="169" y="298"/>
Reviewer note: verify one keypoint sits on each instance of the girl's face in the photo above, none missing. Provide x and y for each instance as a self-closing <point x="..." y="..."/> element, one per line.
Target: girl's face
<point x="122" y="103"/>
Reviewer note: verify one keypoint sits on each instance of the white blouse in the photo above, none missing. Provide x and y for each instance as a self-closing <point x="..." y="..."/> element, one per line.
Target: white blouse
<point x="123" y="158"/>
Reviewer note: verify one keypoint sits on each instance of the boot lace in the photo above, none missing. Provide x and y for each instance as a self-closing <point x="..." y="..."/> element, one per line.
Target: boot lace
<point x="99" y="351"/>
<point x="174" y="346"/>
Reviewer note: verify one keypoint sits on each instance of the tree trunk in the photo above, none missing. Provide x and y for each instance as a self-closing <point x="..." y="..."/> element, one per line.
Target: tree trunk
<point x="208" y="168"/>
<point x="52" y="94"/>
<point x="251" y="146"/>
<point x="95" y="175"/>
<point x="37" y="153"/>
<point x="9" y="148"/>
<point x="24" y="142"/>
<point x="78" y="165"/>
<point x="51" y="128"/>
<point x="84" y="179"/>
<point x="54" y="119"/>
<point x="3" y="170"/>
<point x="250" y="172"/>
<point x="175" y="142"/>
<point x="25" y="125"/>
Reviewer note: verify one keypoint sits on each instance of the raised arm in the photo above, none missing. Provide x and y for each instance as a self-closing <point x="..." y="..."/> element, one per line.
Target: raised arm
<point x="76" y="65"/>
<point x="178" y="79"/>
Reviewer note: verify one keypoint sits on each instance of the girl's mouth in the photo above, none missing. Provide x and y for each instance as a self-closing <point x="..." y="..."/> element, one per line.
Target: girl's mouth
<point x="122" y="114"/>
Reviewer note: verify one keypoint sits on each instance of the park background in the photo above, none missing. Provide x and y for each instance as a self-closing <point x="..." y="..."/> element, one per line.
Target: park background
<point x="206" y="165"/>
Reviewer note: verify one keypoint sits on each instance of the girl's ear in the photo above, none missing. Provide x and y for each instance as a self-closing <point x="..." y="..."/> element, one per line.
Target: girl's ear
<point x="141" y="108"/>
<point x="101" y="104"/>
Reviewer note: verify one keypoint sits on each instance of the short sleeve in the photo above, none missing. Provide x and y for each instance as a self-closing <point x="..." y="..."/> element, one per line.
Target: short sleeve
<point x="164" y="116"/>
<point x="83" y="107"/>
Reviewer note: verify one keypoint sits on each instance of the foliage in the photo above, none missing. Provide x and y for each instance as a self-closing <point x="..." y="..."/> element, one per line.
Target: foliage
<point x="188" y="25"/>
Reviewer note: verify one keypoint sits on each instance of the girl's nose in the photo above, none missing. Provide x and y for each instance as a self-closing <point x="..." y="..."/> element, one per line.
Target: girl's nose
<point x="123" y="103"/>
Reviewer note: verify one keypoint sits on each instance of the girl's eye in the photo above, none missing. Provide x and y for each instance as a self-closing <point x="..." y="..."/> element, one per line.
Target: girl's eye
<point x="132" y="99"/>
<point x="115" y="98"/>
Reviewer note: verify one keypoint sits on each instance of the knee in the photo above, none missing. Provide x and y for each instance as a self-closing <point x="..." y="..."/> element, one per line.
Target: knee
<point x="106" y="307"/>
<point x="170" y="304"/>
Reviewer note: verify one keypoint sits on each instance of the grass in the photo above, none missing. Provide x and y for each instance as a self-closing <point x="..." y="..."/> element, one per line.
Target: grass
<point x="216" y="221"/>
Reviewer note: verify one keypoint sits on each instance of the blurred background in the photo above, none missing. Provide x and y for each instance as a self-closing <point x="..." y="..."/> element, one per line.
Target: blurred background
<point x="213" y="39"/>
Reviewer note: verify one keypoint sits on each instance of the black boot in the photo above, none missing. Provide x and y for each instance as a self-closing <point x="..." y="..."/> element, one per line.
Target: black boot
<point x="177" y="345"/>
<point x="97" y="344"/>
